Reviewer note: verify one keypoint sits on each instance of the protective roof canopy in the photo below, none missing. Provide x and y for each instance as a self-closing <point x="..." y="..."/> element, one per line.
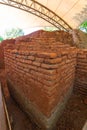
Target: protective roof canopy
<point x="73" y="12"/>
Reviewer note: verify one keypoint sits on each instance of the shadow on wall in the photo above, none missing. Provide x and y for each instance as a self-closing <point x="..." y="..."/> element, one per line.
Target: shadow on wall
<point x="1" y="57"/>
<point x="9" y="43"/>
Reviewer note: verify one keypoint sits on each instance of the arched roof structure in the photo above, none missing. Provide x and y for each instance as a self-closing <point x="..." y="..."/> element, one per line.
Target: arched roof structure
<point x="63" y="14"/>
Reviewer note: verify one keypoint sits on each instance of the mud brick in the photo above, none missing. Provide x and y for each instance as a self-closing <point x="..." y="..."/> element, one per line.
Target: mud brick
<point x="49" y="66"/>
<point x="43" y="69"/>
<point x="32" y="67"/>
<point x="64" y="58"/>
<point x="28" y="62"/>
<point x="26" y="52"/>
<point x="31" y="58"/>
<point x="64" y="52"/>
<point x="53" y="61"/>
<point x="47" y="55"/>
<point x="82" y="56"/>
<point x="36" y="63"/>
<point x="81" y="72"/>
<point x="81" y="60"/>
<point x="39" y="60"/>
<point x="68" y="61"/>
<point x="43" y="76"/>
<point x="48" y="72"/>
<point x="33" y="53"/>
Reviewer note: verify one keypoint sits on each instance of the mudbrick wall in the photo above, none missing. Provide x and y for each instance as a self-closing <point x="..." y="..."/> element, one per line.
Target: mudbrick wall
<point x="8" y="44"/>
<point x="42" y="69"/>
<point x="40" y="75"/>
<point x="1" y="57"/>
<point x="57" y="36"/>
<point x="81" y="72"/>
<point x="79" y="38"/>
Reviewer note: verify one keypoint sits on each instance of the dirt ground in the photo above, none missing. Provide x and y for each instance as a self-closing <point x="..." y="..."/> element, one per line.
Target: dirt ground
<point x="74" y="116"/>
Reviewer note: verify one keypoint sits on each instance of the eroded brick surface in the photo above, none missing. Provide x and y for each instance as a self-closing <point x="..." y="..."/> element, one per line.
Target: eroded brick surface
<point x="43" y="66"/>
<point x="42" y="69"/>
<point x="47" y="36"/>
<point x="81" y="72"/>
<point x="1" y="57"/>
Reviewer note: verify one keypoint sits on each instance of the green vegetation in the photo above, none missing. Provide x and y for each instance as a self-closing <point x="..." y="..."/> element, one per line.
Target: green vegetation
<point x="83" y="27"/>
<point x="1" y="39"/>
<point x="12" y="33"/>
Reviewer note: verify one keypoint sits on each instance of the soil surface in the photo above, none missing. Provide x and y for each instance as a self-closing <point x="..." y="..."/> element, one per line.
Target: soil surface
<point x="74" y="117"/>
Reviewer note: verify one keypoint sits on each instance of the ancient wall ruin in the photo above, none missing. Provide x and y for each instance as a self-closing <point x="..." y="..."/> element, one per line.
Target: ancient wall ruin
<point x="1" y="57"/>
<point x="79" y="38"/>
<point x="5" y="44"/>
<point x="55" y="36"/>
<point x="40" y="75"/>
<point x="42" y="69"/>
<point x="81" y="72"/>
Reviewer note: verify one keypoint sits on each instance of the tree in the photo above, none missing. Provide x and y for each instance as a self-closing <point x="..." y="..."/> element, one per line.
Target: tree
<point x="13" y="33"/>
<point x="83" y="26"/>
<point x="1" y="38"/>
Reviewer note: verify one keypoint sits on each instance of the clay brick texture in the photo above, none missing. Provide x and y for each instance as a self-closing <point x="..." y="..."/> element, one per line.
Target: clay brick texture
<point x="79" y="38"/>
<point x="81" y="72"/>
<point x="1" y="57"/>
<point x="42" y="69"/>
<point x="55" y="36"/>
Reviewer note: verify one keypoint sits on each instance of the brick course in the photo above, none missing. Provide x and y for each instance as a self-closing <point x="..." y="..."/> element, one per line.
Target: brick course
<point x="1" y="57"/>
<point x="42" y="70"/>
<point x="81" y="72"/>
<point x="26" y="70"/>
